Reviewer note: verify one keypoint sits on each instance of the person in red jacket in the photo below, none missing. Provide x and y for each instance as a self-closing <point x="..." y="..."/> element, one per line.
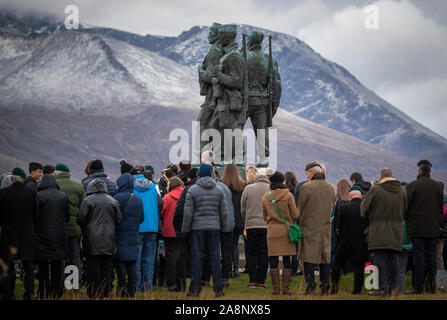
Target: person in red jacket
<point x="175" y="188"/>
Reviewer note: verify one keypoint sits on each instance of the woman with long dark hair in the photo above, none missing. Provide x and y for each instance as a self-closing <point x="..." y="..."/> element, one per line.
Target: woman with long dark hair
<point x="232" y="179"/>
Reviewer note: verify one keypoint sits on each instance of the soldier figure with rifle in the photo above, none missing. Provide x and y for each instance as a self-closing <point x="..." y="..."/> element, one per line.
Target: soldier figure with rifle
<point x="264" y="91"/>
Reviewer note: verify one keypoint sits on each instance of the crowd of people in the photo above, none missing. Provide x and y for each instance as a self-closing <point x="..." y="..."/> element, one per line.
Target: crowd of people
<point x="145" y="232"/>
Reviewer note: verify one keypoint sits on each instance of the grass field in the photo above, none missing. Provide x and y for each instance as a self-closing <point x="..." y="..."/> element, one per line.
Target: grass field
<point x="238" y="291"/>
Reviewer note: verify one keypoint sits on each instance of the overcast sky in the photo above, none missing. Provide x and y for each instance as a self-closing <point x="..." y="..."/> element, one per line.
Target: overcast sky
<point x="404" y="61"/>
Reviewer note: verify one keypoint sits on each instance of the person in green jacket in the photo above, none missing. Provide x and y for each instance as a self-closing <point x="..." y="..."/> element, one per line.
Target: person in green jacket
<point x="76" y="195"/>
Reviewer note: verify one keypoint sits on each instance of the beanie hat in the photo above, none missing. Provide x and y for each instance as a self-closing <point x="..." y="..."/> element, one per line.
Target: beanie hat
<point x="277" y="177"/>
<point x="403" y="183"/>
<point x="125" y="167"/>
<point x="62" y="167"/>
<point x="357" y="188"/>
<point x="149" y="168"/>
<point x="205" y="170"/>
<point x="96" y="166"/>
<point x="192" y="173"/>
<point x="19" y="172"/>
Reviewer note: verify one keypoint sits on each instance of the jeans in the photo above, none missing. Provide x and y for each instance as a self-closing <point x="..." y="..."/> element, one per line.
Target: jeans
<point x="226" y="250"/>
<point x="147" y="243"/>
<point x="286" y="260"/>
<point x="236" y="235"/>
<point x="403" y="261"/>
<point x="387" y="263"/>
<point x="50" y="285"/>
<point x="309" y="275"/>
<point x="424" y="263"/>
<point x="257" y="254"/>
<point x="205" y="243"/>
<point x="99" y="269"/>
<point x="127" y="268"/>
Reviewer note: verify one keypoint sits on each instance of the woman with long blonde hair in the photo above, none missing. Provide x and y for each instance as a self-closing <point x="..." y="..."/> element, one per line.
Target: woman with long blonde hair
<point x="250" y="174"/>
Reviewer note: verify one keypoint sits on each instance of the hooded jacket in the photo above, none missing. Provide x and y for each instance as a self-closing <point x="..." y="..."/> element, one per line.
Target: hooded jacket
<point x="132" y="213"/>
<point x="98" y="217"/>
<point x="76" y="194"/>
<point x="111" y="186"/>
<point x="205" y="207"/>
<point x="152" y="203"/>
<point x="167" y="214"/>
<point x="54" y="213"/>
<point x="383" y="209"/>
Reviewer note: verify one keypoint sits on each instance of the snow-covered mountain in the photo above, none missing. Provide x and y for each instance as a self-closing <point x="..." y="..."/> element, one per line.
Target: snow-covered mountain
<point x="106" y="72"/>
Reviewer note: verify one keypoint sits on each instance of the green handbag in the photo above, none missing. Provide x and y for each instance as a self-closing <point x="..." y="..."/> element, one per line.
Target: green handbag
<point x="295" y="233"/>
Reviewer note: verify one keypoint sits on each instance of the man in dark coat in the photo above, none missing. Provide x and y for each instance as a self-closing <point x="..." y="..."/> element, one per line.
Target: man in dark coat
<point x="131" y="207"/>
<point x="184" y="239"/>
<point x="423" y="216"/>
<point x="351" y="242"/>
<point x="383" y="209"/>
<point x="51" y="241"/>
<point x="35" y="173"/>
<point x="357" y="180"/>
<point x="98" y="217"/>
<point x="96" y="170"/>
<point x="18" y="216"/>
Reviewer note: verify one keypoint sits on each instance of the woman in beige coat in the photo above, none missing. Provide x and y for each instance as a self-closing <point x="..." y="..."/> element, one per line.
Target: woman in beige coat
<point x="278" y="240"/>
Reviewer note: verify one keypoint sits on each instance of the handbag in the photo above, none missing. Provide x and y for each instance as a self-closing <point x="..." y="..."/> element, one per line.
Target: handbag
<point x="295" y="233"/>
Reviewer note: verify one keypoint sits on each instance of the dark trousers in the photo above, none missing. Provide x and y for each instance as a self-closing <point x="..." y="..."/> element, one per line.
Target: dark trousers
<point x="226" y="250"/>
<point x="257" y="254"/>
<point x="74" y="252"/>
<point x="50" y="280"/>
<point x="309" y="269"/>
<point x="123" y="269"/>
<point x="387" y="263"/>
<point x="205" y="243"/>
<point x="171" y="257"/>
<point x="424" y="263"/>
<point x="99" y="275"/>
<point x="286" y="261"/>
<point x="236" y="235"/>
<point x="295" y="262"/>
<point x="181" y="264"/>
<point x="246" y="255"/>
<point x="358" y="269"/>
<point x="8" y="285"/>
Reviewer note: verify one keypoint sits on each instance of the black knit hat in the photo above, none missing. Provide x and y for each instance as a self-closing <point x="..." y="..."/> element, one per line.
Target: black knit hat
<point x="193" y="173"/>
<point x="125" y="167"/>
<point x="277" y="177"/>
<point x="424" y="162"/>
<point x="96" y="166"/>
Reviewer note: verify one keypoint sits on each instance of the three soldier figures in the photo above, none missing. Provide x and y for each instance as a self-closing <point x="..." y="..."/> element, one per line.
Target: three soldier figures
<point x="238" y="85"/>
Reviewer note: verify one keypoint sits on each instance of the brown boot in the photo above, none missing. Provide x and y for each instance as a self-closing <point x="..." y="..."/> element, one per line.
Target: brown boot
<point x="286" y="277"/>
<point x="274" y="273"/>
